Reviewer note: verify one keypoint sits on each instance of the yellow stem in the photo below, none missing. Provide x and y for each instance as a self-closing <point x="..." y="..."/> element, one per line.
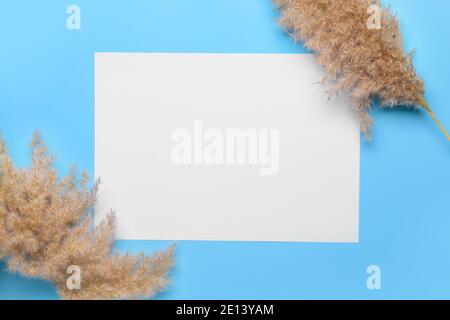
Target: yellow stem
<point x="425" y="105"/>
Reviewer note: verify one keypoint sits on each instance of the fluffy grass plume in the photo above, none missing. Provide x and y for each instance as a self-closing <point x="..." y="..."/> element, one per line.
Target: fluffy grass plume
<point x="365" y="62"/>
<point x="45" y="227"/>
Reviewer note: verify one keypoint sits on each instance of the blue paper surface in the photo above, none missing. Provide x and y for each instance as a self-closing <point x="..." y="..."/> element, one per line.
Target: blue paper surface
<point x="47" y="83"/>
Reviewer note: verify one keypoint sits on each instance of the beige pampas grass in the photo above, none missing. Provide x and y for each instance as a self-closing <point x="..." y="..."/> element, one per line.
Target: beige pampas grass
<point x="45" y="228"/>
<point x="365" y="62"/>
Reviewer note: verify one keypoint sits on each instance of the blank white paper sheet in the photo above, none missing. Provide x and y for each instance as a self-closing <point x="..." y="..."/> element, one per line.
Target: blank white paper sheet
<point x="234" y="147"/>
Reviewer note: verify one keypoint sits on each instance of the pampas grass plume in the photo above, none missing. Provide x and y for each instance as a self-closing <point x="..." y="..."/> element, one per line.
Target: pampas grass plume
<point x="366" y="63"/>
<point x="45" y="228"/>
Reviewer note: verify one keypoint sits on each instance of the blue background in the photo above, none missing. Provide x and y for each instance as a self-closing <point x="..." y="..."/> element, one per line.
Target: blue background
<point x="47" y="83"/>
